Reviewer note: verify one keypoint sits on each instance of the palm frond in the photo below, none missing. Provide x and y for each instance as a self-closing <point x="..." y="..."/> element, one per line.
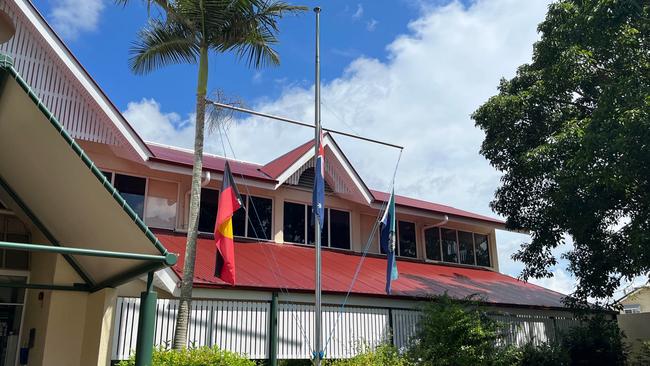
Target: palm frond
<point x="163" y="43"/>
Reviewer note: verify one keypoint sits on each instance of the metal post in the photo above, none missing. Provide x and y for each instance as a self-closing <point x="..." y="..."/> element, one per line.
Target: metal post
<point x="146" y="324"/>
<point x="273" y="331"/>
<point x="317" y="304"/>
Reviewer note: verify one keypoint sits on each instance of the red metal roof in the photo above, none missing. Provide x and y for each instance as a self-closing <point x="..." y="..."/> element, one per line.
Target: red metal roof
<point x="214" y="163"/>
<point x="270" y="266"/>
<point x="435" y="207"/>
<point x="278" y="166"/>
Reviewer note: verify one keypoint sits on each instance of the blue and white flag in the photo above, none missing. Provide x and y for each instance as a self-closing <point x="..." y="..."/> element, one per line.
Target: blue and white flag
<point x="318" y="201"/>
<point x="387" y="241"/>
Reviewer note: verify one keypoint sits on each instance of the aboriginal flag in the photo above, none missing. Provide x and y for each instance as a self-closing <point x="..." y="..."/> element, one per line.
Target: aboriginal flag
<point x="229" y="202"/>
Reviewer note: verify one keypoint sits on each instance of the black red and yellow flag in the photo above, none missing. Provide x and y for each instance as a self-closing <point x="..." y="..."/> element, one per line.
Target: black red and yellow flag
<point x="229" y="202"/>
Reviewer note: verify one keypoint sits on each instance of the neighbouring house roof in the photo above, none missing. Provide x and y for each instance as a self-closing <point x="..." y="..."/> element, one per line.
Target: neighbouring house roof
<point x="38" y="162"/>
<point x="270" y="266"/>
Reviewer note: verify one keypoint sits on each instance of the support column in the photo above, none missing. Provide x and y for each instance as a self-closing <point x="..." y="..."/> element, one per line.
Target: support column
<point x="146" y="324"/>
<point x="273" y="331"/>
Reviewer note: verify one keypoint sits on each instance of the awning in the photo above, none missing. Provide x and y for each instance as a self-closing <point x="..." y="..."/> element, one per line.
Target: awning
<point x="47" y="177"/>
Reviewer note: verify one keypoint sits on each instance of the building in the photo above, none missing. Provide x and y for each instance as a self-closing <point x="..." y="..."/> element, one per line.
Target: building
<point x="636" y="301"/>
<point x="441" y="249"/>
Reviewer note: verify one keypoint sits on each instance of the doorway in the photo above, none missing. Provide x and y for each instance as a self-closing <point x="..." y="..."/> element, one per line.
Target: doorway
<point x="12" y="302"/>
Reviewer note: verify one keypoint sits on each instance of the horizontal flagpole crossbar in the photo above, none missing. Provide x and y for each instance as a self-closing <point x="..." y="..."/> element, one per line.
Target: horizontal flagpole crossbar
<point x="299" y="123"/>
<point x="168" y="259"/>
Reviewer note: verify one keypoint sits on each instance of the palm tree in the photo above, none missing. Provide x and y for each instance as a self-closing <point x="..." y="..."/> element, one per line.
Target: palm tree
<point x="190" y="31"/>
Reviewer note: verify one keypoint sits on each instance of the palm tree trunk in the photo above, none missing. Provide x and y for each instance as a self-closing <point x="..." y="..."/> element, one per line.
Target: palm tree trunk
<point x="182" y="320"/>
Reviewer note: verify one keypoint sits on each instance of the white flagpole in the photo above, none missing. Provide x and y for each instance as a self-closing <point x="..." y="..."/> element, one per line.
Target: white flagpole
<point x="317" y="304"/>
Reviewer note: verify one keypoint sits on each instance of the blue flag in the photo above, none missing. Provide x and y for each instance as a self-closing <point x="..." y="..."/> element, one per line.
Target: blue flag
<point x="318" y="201"/>
<point x="387" y="241"/>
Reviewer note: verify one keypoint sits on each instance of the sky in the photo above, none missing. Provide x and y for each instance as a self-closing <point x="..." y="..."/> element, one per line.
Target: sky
<point x="406" y="71"/>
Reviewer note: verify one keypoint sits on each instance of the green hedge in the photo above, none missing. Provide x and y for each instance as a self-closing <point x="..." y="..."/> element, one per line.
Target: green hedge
<point x="203" y="356"/>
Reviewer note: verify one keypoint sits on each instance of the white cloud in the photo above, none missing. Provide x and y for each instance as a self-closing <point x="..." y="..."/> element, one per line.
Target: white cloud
<point x="435" y="76"/>
<point x="371" y="25"/>
<point x="561" y="281"/>
<point x="72" y="17"/>
<point x="359" y="13"/>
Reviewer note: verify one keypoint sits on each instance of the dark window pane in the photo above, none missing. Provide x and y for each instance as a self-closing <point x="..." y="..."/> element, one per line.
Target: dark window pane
<point x="239" y="219"/>
<point x="407" y="245"/>
<point x="339" y="229"/>
<point x="132" y="190"/>
<point x="9" y="294"/>
<point x="311" y="231"/>
<point x="482" y="246"/>
<point x="294" y="222"/>
<point x="260" y="213"/>
<point x="108" y="176"/>
<point x="208" y="209"/>
<point x="465" y="247"/>
<point x="432" y="243"/>
<point x="2" y="206"/>
<point x="449" y="249"/>
<point x="16" y="259"/>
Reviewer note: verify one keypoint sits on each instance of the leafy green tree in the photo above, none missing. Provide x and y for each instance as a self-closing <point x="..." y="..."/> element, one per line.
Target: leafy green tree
<point x="453" y="334"/>
<point x="188" y="33"/>
<point x="571" y="133"/>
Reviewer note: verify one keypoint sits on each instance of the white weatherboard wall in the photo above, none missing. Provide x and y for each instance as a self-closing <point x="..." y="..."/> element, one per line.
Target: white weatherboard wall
<point x="243" y="327"/>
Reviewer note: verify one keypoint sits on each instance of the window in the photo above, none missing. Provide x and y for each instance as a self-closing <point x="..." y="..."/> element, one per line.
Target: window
<point x="132" y="189"/>
<point x="432" y="243"/>
<point x="208" y="209"/>
<point x="162" y="201"/>
<point x="253" y="219"/>
<point x="108" y="176"/>
<point x="406" y="235"/>
<point x="13" y="230"/>
<point x="339" y="225"/>
<point x="632" y="309"/>
<point x="482" y="248"/>
<point x="449" y="245"/>
<point x="336" y="226"/>
<point x="294" y="222"/>
<point x="311" y="231"/>
<point x="239" y="218"/>
<point x="466" y="247"/>
<point x="457" y="246"/>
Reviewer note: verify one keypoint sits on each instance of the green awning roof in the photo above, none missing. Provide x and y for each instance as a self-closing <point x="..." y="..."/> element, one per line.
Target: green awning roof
<point x="46" y="175"/>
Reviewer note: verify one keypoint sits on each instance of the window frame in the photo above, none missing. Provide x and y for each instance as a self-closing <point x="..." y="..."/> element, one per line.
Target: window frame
<point x="306" y="233"/>
<point x="178" y="200"/>
<point x="457" y="262"/>
<point x="398" y="241"/>
<point x="633" y="308"/>
<point x="146" y="185"/>
<point x="146" y="192"/>
<point x="247" y="219"/>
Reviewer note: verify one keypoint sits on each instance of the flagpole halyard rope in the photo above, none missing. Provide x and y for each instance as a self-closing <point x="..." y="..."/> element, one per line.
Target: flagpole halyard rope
<point x="284" y="290"/>
<point x="365" y="252"/>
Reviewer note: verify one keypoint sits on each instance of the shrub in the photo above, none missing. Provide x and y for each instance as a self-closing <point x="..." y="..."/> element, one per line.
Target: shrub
<point x="545" y="354"/>
<point x="643" y="356"/>
<point x="202" y="356"/>
<point x="384" y="355"/>
<point x="597" y="342"/>
<point x="449" y="333"/>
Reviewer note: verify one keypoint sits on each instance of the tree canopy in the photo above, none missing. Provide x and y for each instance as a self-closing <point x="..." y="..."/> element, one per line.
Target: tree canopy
<point x="571" y="134"/>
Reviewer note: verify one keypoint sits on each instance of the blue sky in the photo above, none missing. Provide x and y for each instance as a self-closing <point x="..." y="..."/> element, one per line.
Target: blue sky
<point x="407" y="71"/>
<point x="349" y="30"/>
